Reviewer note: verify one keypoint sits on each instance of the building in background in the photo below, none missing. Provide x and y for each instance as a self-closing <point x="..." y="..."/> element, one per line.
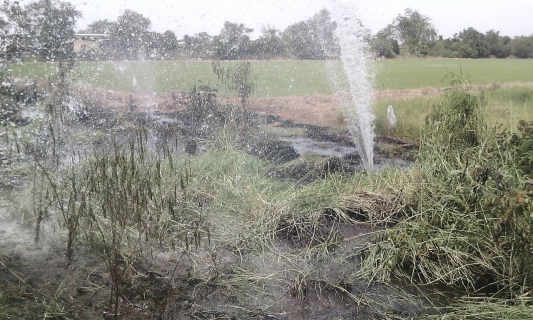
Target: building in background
<point x="87" y="44"/>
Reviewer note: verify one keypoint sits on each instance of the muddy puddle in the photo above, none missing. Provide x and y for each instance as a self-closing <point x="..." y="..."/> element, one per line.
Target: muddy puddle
<point x="306" y="145"/>
<point x="341" y="149"/>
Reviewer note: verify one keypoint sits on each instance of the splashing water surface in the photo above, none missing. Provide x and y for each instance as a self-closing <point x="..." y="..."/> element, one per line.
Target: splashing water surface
<point x="358" y="114"/>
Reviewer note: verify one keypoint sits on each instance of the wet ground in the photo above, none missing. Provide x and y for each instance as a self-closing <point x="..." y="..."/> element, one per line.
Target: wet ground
<point x="345" y="150"/>
<point x="207" y="282"/>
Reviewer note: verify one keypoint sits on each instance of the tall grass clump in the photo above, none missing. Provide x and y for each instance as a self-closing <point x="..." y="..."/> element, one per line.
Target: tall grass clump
<point x="470" y="226"/>
<point x="120" y="201"/>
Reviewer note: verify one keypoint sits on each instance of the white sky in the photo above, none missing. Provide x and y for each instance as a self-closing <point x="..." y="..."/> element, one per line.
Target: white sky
<point x="510" y="17"/>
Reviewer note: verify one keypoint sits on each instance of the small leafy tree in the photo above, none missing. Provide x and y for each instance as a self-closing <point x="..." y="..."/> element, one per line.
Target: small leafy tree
<point x="130" y="34"/>
<point x="237" y="78"/>
<point x="458" y="118"/>
<point x="385" y="44"/>
<point x="202" y="103"/>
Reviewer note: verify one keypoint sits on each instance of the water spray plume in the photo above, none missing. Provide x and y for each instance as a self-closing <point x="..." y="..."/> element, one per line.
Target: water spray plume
<point x="358" y="114"/>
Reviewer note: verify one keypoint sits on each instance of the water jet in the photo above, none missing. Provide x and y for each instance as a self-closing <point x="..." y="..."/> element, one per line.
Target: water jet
<point x="357" y="112"/>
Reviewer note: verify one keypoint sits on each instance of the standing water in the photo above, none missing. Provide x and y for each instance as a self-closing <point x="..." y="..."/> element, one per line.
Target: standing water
<point x="358" y="114"/>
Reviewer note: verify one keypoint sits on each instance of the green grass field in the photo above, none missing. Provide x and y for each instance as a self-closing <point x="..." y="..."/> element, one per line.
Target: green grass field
<point x="423" y="73"/>
<point x="285" y="78"/>
<point x="273" y="78"/>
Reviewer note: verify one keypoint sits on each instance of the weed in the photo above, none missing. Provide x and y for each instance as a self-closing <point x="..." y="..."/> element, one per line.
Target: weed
<point x="202" y="104"/>
<point x="458" y="118"/>
<point x="339" y="115"/>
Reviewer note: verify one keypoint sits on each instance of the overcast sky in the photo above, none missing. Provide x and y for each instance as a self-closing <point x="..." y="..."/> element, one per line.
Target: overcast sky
<point x="510" y="17"/>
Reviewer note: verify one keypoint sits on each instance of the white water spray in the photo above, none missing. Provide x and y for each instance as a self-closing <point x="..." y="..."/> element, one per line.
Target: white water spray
<point x="358" y="114"/>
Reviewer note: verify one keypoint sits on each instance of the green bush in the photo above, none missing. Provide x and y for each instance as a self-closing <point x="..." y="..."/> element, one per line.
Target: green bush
<point x="456" y="121"/>
<point x="521" y="147"/>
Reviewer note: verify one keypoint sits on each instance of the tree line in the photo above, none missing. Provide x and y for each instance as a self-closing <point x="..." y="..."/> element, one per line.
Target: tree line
<point x="311" y="39"/>
<point x="45" y="29"/>
<point x="413" y="34"/>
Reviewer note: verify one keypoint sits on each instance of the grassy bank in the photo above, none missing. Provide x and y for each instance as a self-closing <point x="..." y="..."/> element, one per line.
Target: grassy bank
<point x="159" y="230"/>
<point x="469" y="227"/>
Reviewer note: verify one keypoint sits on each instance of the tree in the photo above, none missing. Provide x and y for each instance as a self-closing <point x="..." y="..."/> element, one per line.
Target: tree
<point x="13" y="31"/>
<point x="463" y="50"/>
<point x="269" y="45"/>
<point x="497" y="45"/>
<point x="100" y="27"/>
<point x="415" y="32"/>
<point x="152" y="45"/>
<point x="314" y="38"/>
<point x="169" y="44"/>
<point x="523" y="47"/>
<point x="443" y="48"/>
<point x="159" y="46"/>
<point x="507" y="46"/>
<point x="54" y="23"/>
<point x="385" y="44"/>
<point x="130" y="34"/>
<point x="475" y="42"/>
<point x="14" y="35"/>
<point x="233" y="42"/>
<point x="237" y="78"/>
<point x="199" y="45"/>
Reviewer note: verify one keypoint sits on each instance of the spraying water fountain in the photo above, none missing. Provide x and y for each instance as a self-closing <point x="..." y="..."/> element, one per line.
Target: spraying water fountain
<point x="357" y="112"/>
